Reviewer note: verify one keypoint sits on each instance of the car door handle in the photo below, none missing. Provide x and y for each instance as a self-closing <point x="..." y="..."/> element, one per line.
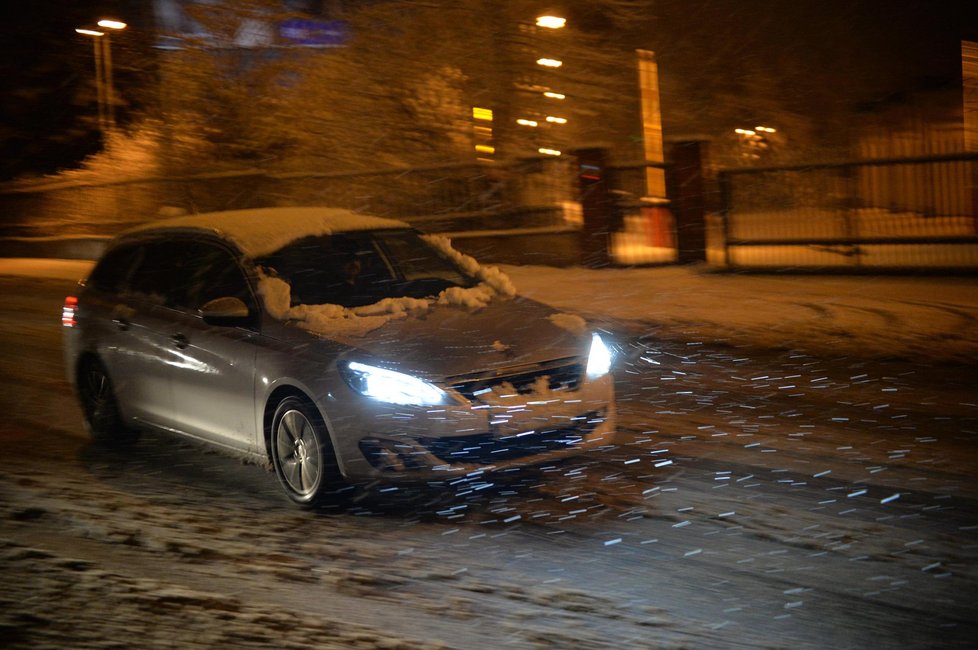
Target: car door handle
<point x="180" y="341"/>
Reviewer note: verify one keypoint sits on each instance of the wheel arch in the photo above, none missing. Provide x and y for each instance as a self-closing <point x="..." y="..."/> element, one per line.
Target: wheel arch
<point x="81" y="362"/>
<point x="271" y="404"/>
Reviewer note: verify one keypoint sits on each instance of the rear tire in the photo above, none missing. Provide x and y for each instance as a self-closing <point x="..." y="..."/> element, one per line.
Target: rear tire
<point x="100" y="407"/>
<point x="303" y="455"/>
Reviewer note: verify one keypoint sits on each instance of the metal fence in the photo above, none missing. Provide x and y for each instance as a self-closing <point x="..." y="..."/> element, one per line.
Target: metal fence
<point x="521" y="194"/>
<point x="896" y="212"/>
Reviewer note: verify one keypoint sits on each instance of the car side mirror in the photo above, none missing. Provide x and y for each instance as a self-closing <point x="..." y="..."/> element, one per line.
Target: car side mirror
<point x="227" y="311"/>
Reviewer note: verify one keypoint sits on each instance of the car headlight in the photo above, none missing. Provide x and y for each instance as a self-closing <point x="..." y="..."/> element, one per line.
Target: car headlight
<point x="392" y="386"/>
<point x="599" y="359"/>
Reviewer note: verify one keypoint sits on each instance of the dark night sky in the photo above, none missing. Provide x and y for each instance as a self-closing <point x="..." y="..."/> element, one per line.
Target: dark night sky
<point x="883" y="45"/>
<point x="48" y="102"/>
<point x="871" y="50"/>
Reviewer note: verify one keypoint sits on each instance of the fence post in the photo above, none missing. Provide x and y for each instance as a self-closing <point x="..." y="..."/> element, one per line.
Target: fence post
<point x="688" y="161"/>
<point x="850" y="221"/>
<point x="726" y="198"/>
<point x="597" y="206"/>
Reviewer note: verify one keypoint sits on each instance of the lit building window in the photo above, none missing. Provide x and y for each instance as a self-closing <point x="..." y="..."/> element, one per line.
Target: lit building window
<point x="482" y="113"/>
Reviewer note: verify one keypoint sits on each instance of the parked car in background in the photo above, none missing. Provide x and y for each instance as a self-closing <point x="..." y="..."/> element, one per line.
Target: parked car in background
<point x="339" y="347"/>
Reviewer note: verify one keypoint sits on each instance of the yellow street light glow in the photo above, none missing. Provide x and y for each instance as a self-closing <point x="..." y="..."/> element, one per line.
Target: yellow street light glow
<point x="556" y="120"/>
<point x="551" y="22"/>
<point x="523" y="122"/>
<point x="550" y="63"/>
<point x="482" y="113"/>
<point x="89" y="32"/>
<point x="485" y="148"/>
<point x="554" y="95"/>
<point x="548" y="152"/>
<point x="765" y="129"/>
<point x="483" y="130"/>
<point x="111" y="24"/>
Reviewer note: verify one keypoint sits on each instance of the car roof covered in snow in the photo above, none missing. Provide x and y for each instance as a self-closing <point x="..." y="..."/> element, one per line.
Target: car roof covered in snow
<point x="263" y="231"/>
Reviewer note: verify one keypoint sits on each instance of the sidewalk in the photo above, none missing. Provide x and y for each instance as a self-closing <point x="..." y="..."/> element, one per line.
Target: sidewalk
<point x="926" y="318"/>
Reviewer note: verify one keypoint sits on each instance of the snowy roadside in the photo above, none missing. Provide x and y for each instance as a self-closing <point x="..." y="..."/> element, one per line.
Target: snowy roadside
<point x="931" y="318"/>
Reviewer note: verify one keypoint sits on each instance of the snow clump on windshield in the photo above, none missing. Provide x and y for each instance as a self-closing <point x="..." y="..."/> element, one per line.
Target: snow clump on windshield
<point x="276" y="294"/>
<point x="491" y="276"/>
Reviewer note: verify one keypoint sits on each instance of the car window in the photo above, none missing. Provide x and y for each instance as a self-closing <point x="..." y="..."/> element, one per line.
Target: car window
<point x="362" y="268"/>
<point x="187" y="273"/>
<point x="161" y="273"/>
<point x="213" y="273"/>
<point x="345" y="269"/>
<point x="113" y="270"/>
<point x="415" y="260"/>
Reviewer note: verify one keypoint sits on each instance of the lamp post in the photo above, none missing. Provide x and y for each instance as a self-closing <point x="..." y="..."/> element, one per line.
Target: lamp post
<point x="107" y="63"/>
<point x="103" y="71"/>
<point x="99" y="83"/>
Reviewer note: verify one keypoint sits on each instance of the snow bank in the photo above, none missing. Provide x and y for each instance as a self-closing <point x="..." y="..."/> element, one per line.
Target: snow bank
<point x="866" y="315"/>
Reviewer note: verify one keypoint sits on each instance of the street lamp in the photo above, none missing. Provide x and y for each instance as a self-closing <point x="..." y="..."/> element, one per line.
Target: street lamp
<point x="103" y="70"/>
<point x="112" y="24"/>
<point x="551" y="22"/>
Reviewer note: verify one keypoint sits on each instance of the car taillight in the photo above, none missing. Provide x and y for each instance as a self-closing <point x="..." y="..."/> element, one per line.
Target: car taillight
<point x="68" y="312"/>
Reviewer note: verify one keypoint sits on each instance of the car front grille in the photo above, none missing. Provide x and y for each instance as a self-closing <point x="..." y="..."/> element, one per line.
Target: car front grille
<point x="563" y="374"/>
<point x="485" y="449"/>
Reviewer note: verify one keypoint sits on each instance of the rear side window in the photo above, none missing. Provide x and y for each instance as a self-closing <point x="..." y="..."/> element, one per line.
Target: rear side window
<point x="186" y="273"/>
<point x="112" y="272"/>
<point x="161" y="274"/>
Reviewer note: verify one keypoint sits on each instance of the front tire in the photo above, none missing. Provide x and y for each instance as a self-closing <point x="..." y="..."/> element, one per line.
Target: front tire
<point x="302" y="454"/>
<point x="100" y="407"/>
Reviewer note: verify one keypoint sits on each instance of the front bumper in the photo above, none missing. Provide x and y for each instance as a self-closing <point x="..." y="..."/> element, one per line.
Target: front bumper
<point x="425" y="444"/>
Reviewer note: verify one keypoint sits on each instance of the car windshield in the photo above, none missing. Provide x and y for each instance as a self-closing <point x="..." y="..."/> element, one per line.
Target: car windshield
<point x="353" y="269"/>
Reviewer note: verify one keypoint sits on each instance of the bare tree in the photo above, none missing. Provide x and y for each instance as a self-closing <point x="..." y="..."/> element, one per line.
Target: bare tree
<point x="402" y="91"/>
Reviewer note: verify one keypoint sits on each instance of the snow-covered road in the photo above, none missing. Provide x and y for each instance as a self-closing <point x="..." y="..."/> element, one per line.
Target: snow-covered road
<point x="755" y="498"/>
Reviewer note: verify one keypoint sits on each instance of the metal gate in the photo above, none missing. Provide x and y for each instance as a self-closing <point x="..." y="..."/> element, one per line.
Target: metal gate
<point x="919" y="212"/>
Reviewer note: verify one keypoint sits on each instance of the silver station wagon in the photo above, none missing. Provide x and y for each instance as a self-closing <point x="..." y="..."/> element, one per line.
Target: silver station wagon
<point x="340" y="348"/>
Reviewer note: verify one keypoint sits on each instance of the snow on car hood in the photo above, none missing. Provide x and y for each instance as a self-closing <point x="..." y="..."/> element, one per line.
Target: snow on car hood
<point x="336" y="320"/>
<point x="448" y="342"/>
